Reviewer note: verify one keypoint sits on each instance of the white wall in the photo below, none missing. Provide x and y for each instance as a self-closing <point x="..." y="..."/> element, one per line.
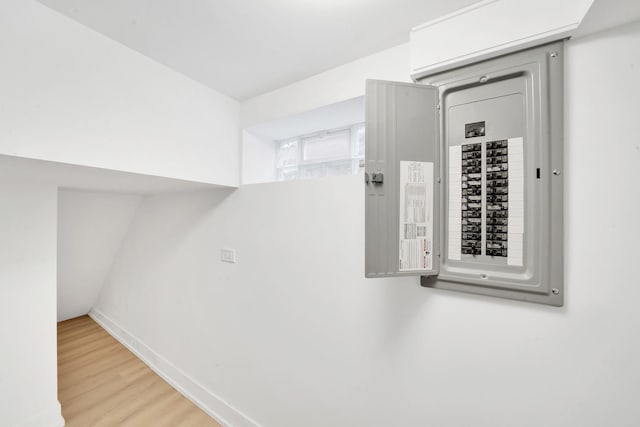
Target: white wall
<point x="28" y="380"/>
<point x="258" y="158"/>
<point x="91" y="227"/>
<point x="333" y="116"/>
<point x="71" y="95"/>
<point x="336" y="85"/>
<point x="294" y="335"/>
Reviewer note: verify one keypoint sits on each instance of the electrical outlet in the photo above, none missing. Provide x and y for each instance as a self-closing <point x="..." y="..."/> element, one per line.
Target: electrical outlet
<point x="228" y="255"/>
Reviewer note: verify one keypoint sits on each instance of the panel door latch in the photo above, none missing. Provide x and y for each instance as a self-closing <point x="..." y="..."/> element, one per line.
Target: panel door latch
<point x="377" y="178"/>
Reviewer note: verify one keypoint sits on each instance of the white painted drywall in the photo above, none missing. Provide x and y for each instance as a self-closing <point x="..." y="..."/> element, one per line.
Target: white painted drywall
<point x="91" y="227"/>
<point x="605" y="14"/>
<point x="333" y="116"/>
<point x="336" y="85"/>
<point x="258" y="158"/>
<point x="28" y="380"/>
<point x="294" y="335"/>
<point x="71" y="95"/>
<point x="78" y="177"/>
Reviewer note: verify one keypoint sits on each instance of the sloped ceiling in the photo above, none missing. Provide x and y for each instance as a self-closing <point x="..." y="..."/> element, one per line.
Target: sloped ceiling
<point x="245" y="48"/>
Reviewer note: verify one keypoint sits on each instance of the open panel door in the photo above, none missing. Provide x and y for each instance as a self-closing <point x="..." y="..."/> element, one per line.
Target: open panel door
<point x="402" y="175"/>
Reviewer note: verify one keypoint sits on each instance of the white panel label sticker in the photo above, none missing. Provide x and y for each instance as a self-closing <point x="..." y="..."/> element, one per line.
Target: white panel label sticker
<point x="455" y="202"/>
<point x="416" y="216"/>
<point x="515" y="239"/>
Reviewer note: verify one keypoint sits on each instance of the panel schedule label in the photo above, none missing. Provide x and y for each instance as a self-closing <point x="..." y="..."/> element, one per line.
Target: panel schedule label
<point x="416" y="216"/>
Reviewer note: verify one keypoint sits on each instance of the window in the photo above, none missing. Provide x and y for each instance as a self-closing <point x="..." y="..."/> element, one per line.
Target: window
<point x="325" y="153"/>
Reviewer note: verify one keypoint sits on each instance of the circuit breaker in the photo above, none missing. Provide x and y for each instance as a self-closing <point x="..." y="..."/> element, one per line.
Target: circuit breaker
<point x="463" y="174"/>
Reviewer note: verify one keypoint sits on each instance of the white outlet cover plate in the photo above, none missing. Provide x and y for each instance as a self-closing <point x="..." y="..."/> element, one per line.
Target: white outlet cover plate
<point x="228" y="255"/>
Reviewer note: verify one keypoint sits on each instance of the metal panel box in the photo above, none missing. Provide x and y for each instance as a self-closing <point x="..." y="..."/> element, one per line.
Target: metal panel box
<point x="475" y="156"/>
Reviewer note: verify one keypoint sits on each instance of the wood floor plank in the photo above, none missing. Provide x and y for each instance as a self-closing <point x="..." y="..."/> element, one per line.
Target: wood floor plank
<point x="102" y="384"/>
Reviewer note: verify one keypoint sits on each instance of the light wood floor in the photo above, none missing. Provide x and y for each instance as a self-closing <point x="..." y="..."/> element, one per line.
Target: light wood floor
<point x="101" y="383"/>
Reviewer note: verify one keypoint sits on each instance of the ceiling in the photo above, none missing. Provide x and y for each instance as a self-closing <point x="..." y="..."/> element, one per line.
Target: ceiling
<point x="246" y="48"/>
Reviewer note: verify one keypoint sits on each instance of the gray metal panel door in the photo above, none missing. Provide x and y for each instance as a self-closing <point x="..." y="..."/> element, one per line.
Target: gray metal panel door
<point x="402" y="175"/>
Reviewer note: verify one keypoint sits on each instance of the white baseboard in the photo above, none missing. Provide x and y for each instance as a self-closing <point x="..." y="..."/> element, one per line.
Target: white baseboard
<point x="52" y="417"/>
<point x="213" y="405"/>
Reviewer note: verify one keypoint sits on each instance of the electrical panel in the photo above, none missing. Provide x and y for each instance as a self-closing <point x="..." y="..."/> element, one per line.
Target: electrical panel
<point x="463" y="177"/>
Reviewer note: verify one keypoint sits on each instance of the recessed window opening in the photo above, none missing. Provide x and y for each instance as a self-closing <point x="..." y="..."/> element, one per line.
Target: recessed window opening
<point x="325" y="153"/>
